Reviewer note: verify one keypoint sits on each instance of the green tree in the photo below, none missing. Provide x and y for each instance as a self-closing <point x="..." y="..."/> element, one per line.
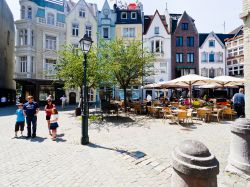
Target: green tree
<point x="127" y="62"/>
<point x="70" y="68"/>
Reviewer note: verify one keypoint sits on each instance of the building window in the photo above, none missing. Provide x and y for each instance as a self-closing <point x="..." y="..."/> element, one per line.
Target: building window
<point x="128" y="32"/>
<point x="23" y="12"/>
<point x="50" y="42"/>
<point x="49" y="67"/>
<point x="220" y="57"/>
<point x="204" y="57"/>
<point x="50" y="19"/>
<point x="32" y="38"/>
<point x="157" y="30"/>
<point x="184" y="26"/>
<point x="32" y="65"/>
<point x="211" y="73"/>
<point x="211" y="57"/>
<point x="91" y="95"/>
<point x="190" y="57"/>
<point x="133" y="15"/>
<point x="204" y="72"/>
<point x="219" y="72"/>
<point x="179" y="57"/>
<point x="157" y="46"/>
<point x="211" y="43"/>
<point x="179" y="41"/>
<point x="88" y="30"/>
<point x="29" y="13"/>
<point x="82" y="13"/>
<point x="105" y="32"/>
<point x="152" y="46"/>
<point x="124" y="15"/>
<point x="190" y="41"/>
<point x="75" y="29"/>
<point x="23" y="37"/>
<point x="23" y="63"/>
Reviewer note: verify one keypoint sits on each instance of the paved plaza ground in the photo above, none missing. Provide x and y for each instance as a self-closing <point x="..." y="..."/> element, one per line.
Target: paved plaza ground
<point x="108" y="160"/>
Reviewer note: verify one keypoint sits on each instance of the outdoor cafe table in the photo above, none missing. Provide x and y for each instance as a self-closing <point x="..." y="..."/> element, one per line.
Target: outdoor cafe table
<point x="158" y="110"/>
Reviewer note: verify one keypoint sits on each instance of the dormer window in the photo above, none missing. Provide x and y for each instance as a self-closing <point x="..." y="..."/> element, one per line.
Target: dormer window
<point x="124" y="15"/>
<point x="184" y="26"/>
<point x="211" y="43"/>
<point x="133" y="15"/>
<point x="82" y="13"/>
<point x="157" y="30"/>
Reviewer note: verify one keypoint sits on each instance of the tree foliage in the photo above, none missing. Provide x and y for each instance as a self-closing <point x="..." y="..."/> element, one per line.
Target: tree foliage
<point x="70" y="68"/>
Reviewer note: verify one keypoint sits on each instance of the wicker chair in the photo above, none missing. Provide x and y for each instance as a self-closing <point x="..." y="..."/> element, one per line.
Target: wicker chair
<point x="217" y="115"/>
<point x="201" y="114"/>
<point x="182" y="116"/>
<point x="227" y="112"/>
<point x="167" y="114"/>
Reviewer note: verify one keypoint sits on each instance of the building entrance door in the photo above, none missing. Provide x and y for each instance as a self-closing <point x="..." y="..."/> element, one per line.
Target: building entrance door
<point x="72" y="98"/>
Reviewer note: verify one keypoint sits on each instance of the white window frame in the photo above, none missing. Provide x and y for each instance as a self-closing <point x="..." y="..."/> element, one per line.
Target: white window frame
<point x="135" y="15"/>
<point x="23" y="9"/>
<point x="88" y="30"/>
<point x="103" y="32"/>
<point x="75" y="29"/>
<point x="124" y="13"/>
<point x="23" y="64"/>
<point x="29" y="16"/>
<point x="49" y="66"/>
<point x="128" y="32"/>
<point x="51" y="19"/>
<point x="50" y="43"/>
<point x="157" y="30"/>
<point x="82" y="13"/>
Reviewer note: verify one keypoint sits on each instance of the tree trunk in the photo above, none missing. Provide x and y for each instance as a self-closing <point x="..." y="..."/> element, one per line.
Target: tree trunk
<point x="125" y="99"/>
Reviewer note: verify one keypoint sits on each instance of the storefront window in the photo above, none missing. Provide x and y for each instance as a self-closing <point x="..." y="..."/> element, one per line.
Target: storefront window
<point x="45" y="91"/>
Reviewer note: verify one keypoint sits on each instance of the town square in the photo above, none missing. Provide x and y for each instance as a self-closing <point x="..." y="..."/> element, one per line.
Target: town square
<point x="124" y="93"/>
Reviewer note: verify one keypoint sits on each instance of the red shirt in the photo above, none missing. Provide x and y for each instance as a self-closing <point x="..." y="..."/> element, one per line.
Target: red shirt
<point x="47" y="106"/>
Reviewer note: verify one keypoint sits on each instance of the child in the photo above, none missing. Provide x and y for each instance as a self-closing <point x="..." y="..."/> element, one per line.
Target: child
<point x="53" y="123"/>
<point x="20" y="119"/>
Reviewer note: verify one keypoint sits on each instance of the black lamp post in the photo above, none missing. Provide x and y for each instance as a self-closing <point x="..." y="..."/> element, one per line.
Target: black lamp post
<point x="85" y="44"/>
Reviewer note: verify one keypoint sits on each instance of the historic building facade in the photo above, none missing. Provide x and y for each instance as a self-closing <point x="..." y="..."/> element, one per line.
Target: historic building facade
<point x="81" y="19"/>
<point x="184" y="45"/>
<point x="157" y="39"/>
<point x="7" y="42"/>
<point x="106" y="22"/>
<point x="235" y="53"/>
<point x="41" y="32"/>
<point x="212" y="54"/>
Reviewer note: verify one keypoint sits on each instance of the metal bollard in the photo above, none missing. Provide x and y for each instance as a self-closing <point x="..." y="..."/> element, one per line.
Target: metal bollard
<point x="194" y="166"/>
<point x="239" y="157"/>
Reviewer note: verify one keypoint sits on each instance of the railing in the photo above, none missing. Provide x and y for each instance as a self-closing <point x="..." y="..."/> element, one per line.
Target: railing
<point x="24" y="75"/>
<point x="43" y="21"/>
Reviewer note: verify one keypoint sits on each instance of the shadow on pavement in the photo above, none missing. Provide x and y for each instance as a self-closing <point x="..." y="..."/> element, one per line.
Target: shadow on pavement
<point x="118" y="119"/>
<point x="92" y="145"/>
<point x="58" y="139"/>
<point x="60" y="135"/>
<point x="37" y="139"/>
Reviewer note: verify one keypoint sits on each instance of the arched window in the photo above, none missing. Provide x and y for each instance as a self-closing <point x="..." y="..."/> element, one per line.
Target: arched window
<point x="29" y="13"/>
<point x="51" y="19"/>
<point x="211" y="73"/>
<point x="204" y="72"/>
<point x="23" y="12"/>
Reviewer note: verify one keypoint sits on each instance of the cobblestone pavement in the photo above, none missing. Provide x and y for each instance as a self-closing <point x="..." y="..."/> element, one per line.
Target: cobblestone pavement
<point x="110" y="159"/>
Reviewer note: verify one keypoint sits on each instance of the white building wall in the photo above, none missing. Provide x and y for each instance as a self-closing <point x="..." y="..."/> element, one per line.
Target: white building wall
<point x="205" y="67"/>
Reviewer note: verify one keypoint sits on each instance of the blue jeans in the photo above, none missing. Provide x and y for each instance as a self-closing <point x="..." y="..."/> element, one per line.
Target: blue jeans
<point x="29" y="120"/>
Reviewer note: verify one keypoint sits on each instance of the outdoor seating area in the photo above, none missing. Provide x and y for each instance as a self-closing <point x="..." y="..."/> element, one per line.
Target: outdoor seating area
<point x="178" y="113"/>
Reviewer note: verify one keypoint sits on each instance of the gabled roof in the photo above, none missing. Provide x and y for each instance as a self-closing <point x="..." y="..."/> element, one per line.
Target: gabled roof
<point x="90" y="6"/>
<point x="191" y="20"/>
<point x="220" y="37"/>
<point x="237" y="31"/>
<point x="106" y="5"/>
<point x="149" y="19"/>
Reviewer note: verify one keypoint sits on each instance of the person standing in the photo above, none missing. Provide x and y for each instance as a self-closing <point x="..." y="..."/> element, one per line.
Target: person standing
<point x="48" y="110"/>
<point x="54" y="123"/>
<point x="19" y="119"/>
<point x="239" y="103"/>
<point x="63" y="99"/>
<point x="31" y="110"/>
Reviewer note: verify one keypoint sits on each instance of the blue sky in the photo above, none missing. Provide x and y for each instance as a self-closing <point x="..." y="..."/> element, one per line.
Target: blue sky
<point x="209" y="15"/>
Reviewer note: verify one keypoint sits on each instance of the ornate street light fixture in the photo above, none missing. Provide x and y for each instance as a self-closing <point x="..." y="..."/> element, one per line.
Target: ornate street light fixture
<point x="85" y="44"/>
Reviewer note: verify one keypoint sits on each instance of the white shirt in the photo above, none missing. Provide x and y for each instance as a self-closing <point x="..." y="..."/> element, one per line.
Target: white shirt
<point x="54" y="116"/>
<point x="63" y="98"/>
<point x="149" y="98"/>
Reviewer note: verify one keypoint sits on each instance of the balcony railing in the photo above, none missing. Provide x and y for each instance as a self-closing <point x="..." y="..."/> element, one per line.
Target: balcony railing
<point x="24" y="75"/>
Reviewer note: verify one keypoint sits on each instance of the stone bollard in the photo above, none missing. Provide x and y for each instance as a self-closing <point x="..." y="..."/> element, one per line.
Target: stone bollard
<point x="239" y="157"/>
<point x="194" y="166"/>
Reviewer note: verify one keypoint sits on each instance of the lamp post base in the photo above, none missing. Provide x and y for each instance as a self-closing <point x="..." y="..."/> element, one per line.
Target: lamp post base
<point x="85" y="140"/>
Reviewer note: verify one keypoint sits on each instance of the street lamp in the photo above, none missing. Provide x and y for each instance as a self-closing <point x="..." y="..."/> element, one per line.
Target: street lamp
<point x="85" y="44"/>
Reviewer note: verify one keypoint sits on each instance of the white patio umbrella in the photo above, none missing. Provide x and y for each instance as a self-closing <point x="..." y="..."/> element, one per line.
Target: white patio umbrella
<point x="189" y="81"/>
<point x="153" y="85"/>
<point x="228" y="81"/>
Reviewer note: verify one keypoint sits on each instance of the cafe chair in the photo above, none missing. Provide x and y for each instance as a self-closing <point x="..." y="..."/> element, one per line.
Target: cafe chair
<point x="182" y="117"/>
